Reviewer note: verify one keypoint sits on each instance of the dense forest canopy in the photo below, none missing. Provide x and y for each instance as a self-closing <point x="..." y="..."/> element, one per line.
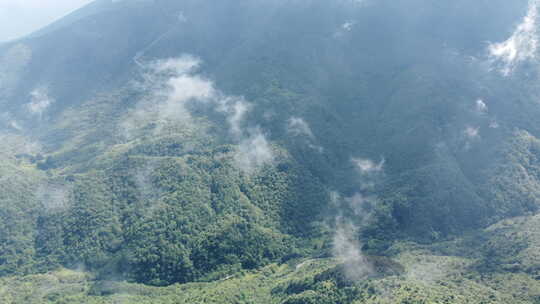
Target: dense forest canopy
<point x="273" y="151"/>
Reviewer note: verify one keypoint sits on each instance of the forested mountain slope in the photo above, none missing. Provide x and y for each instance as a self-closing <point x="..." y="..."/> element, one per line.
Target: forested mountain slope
<point x="303" y="151"/>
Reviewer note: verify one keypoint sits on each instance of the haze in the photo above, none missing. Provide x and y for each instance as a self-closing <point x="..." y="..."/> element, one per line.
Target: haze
<point x="21" y="17"/>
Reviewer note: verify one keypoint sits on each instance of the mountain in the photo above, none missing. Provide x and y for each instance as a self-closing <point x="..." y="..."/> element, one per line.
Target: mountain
<point x="249" y="151"/>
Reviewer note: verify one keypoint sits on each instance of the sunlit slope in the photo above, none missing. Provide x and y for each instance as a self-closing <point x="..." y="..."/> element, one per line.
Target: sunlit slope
<point x="419" y="274"/>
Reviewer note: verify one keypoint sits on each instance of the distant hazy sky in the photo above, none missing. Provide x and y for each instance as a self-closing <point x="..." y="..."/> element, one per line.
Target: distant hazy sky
<point x="22" y="17"/>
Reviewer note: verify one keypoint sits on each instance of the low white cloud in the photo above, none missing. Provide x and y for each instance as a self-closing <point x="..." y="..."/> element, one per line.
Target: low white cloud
<point x="472" y="132"/>
<point x="298" y="126"/>
<point x="481" y="106"/>
<point x="346" y="248"/>
<point x="472" y="135"/>
<point x="254" y="152"/>
<point x="362" y="206"/>
<point x="368" y="166"/>
<point x="521" y="46"/>
<point x="15" y="125"/>
<point x="347" y="26"/>
<point x="182" y="65"/>
<point x="170" y="86"/>
<point x="40" y="102"/>
<point x="182" y="17"/>
<point x="235" y="108"/>
<point x="355" y="214"/>
<point x="183" y="85"/>
<point x="344" y="28"/>
<point x="185" y="88"/>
